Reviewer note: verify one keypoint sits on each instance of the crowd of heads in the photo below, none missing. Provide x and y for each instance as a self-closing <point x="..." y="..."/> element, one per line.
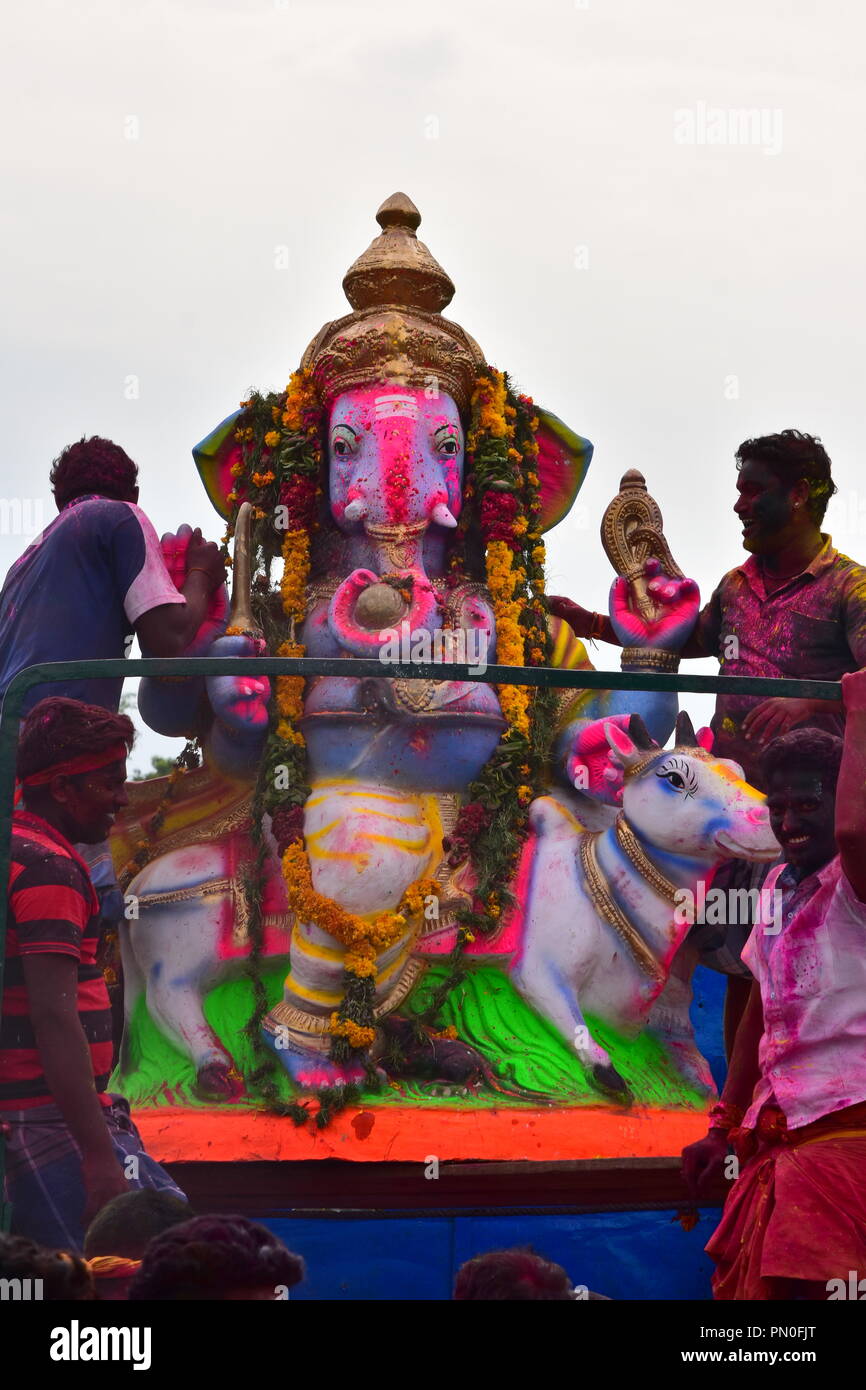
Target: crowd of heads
<point x="147" y="1247"/>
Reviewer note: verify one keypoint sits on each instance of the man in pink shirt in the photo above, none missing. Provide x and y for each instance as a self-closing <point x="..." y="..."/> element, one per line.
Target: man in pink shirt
<point x="794" y="1103"/>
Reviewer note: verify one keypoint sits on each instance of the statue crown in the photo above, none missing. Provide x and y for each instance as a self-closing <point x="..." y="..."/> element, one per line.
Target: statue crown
<point x="396" y="334"/>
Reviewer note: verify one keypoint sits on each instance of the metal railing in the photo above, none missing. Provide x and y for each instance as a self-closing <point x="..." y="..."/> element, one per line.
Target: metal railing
<point x="68" y="671"/>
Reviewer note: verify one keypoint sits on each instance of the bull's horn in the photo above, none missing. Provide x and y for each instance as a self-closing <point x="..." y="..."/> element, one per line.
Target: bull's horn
<point x="241" y="615"/>
<point x="640" y="734"/>
<point x="685" y="731"/>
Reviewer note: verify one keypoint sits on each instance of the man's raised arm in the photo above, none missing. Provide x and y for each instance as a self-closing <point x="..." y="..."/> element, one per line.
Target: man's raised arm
<point x="851" y="789"/>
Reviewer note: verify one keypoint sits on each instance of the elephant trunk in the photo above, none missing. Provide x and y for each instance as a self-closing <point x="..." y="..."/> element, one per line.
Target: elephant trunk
<point x="368" y="604"/>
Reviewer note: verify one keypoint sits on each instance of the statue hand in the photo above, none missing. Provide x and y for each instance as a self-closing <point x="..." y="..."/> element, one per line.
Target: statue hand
<point x="679" y="600"/>
<point x="590" y="766"/>
<point x="239" y="702"/>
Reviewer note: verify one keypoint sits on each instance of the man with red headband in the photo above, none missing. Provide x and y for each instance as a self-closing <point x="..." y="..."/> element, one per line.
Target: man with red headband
<point x="70" y="1146"/>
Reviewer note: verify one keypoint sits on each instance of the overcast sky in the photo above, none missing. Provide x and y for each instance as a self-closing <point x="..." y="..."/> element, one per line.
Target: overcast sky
<point x="667" y="296"/>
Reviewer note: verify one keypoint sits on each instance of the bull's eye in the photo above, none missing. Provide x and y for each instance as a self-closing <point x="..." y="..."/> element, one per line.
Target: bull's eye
<point x="679" y="775"/>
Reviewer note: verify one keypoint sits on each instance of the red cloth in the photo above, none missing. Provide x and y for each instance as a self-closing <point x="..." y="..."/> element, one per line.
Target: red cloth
<point x="798" y="1208"/>
<point x="53" y="910"/>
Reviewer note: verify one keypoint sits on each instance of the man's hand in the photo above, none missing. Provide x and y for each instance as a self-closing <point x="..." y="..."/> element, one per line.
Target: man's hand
<point x="103" y="1181"/>
<point x="850" y="809"/>
<point x="704" y="1163"/>
<point x="773" y="717"/>
<point x="204" y="557"/>
<point x="577" y="618"/>
<point x="679" y="600"/>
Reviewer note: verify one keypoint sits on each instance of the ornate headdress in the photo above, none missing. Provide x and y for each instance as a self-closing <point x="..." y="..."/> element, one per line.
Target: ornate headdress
<point x="396" y="333"/>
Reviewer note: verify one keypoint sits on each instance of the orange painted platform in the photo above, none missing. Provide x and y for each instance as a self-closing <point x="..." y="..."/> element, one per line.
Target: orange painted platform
<point x="400" y="1135"/>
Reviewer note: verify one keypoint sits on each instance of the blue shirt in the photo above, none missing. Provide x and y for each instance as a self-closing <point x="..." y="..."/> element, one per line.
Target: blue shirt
<point x="78" y="591"/>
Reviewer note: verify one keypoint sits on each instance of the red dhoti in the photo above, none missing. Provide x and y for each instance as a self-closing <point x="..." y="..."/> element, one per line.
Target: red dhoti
<point x="797" y="1210"/>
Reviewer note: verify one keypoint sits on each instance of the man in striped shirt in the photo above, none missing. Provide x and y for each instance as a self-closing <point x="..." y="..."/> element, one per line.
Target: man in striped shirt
<point x="70" y="1146"/>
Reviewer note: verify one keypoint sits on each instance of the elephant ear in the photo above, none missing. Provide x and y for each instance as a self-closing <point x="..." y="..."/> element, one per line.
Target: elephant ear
<point x="563" y="460"/>
<point x="214" y="458"/>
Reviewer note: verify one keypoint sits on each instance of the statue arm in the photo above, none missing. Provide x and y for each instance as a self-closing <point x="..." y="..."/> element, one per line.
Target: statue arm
<point x="240" y="709"/>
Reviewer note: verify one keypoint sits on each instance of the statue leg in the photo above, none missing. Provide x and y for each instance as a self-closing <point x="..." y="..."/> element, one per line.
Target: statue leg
<point x="670" y="1022"/>
<point x="545" y="990"/>
<point x="366" y="846"/>
<point x="175" y="942"/>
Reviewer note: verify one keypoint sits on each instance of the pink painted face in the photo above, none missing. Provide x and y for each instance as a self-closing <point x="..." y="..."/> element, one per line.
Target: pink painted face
<point x="396" y="458"/>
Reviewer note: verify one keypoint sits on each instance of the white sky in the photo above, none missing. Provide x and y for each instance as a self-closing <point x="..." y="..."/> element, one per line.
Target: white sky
<point x="522" y="132"/>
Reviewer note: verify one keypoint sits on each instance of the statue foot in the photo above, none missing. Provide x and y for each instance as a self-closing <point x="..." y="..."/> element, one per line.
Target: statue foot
<point x="219" y="1081"/>
<point x="312" y="1071"/>
<point x="608" y="1080"/>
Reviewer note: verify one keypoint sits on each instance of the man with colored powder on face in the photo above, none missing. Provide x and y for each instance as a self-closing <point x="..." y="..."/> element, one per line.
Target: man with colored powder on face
<point x="796" y="609"/>
<point x="794" y="1103"/>
<point x="70" y="1147"/>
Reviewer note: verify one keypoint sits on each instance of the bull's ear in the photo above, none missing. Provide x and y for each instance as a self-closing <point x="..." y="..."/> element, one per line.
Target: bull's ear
<point x="624" y="749"/>
<point x="563" y="461"/>
<point x="214" y="458"/>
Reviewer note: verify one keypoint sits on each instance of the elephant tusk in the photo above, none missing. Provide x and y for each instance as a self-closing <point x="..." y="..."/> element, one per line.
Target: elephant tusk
<point x="356" y="510"/>
<point x="443" y="516"/>
<point x="241" y="615"/>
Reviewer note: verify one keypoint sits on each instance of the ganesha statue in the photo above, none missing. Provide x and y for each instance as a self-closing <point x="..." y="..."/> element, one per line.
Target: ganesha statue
<point x="445" y="883"/>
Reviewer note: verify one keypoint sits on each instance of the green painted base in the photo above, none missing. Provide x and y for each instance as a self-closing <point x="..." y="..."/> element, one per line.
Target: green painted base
<point x="521" y="1048"/>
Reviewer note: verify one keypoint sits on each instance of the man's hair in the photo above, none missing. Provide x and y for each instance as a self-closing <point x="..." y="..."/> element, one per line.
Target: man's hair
<point x="64" y="1276"/>
<point x="517" y="1274"/>
<point x="58" y="729"/>
<point x="804" y="750"/>
<point x="93" y="465"/>
<point x="211" y="1256"/>
<point x="127" y="1224"/>
<point x="792" y="456"/>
